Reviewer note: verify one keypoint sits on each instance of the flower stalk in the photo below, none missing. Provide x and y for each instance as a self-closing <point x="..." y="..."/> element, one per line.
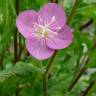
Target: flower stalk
<point x="74" y="8"/>
<point x="46" y="74"/>
<point x="16" y="44"/>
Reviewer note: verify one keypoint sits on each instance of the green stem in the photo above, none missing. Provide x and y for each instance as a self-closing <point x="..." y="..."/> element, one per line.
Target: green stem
<point x="75" y="6"/>
<point x="20" y="47"/>
<point x="50" y="63"/>
<point x="46" y="74"/>
<point x="45" y="85"/>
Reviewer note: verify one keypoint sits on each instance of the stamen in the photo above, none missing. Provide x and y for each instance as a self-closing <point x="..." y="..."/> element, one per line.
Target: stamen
<point x="53" y="19"/>
<point x="42" y="31"/>
<point x="39" y="19"/>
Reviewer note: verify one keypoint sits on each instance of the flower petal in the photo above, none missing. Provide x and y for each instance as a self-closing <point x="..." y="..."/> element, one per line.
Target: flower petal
<point x="25" y="22"/>
<point x="65" y="33"/>
<point x="38" y="48"/>
<point x="61" y="41"/>
<point x="52" y="15"/>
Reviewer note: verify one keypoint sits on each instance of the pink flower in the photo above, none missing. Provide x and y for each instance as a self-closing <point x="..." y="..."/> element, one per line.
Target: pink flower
<point x="45" y="31"/>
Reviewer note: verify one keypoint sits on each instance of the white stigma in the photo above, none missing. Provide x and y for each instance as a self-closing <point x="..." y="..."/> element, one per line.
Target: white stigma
<point x="53" y="18"/>
<point x="40" y="18"/>
<point x="59" y="28"/>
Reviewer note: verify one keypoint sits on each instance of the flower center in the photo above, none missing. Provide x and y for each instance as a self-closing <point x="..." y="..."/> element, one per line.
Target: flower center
<point x="43" y="31"/>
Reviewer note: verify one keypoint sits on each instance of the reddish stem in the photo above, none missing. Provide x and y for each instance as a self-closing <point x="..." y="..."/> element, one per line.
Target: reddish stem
<point x="54" y="1"/>
<point x="16" y="35"/>
<point x="86" y="25"/>
<point x="88" y="89"/>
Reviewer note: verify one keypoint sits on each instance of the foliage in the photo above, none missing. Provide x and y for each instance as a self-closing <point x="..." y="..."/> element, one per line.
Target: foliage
<point x="27" y="72"/>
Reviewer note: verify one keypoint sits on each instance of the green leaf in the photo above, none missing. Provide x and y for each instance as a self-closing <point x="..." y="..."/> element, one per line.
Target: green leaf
<point x="18" y="70"/>
<point x="92" y="59"/>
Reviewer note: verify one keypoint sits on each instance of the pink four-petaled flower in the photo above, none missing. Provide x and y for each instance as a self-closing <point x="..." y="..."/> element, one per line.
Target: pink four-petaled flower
<point x="45" y="31"/>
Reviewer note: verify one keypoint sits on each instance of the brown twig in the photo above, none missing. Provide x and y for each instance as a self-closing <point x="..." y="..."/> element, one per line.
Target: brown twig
<point x="15" y="35"/>
<point x="76" y="79"/>
<point x="82" y="70"/>
<point x="86" y="24"/>
<point x="16" y="44"/>
<point x="17" y="7"/>
<point x="88" y="89"/>
<point x="15" y="47"/>
<point x="54" y="1"/>
<point x="20" y="86"/>
<point x="17" y="90"/>
<point x="2" y="58"/>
